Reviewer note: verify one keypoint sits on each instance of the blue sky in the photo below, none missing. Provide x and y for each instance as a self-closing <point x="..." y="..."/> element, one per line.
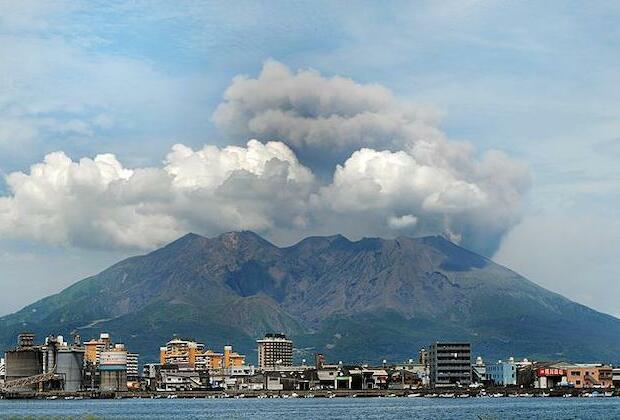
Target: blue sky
<point x="536" y="80"/>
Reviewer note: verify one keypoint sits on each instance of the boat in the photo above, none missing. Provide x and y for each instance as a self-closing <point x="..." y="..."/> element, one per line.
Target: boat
<point x="414" y="395"/>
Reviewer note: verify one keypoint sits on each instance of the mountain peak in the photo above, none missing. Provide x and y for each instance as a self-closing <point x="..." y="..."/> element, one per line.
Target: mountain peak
<point x="184" y="240"/>
<point x="242" y="239"/>
<point x="190" y="237"/>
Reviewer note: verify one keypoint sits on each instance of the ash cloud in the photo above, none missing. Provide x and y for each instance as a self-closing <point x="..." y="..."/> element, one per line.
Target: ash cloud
<point x="391" y="171"/>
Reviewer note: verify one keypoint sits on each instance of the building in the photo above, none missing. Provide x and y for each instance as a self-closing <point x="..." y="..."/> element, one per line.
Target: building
<point x="502" y="373"/>
<point x="449" y="364"/>
<point x="410" y="374"/>
<point x="616" y="377"/>
<point x="25" y="360"/>
<point x="546" y="376"/>
<point x="274" y="350"/>
<point x="151" y="374"/>
<point x="133" y="374"/>
<point x="588" y="375"/>
<point x="183" y="380"/>
<point x="93" y="348"/>
<point x="232" y="359"/>
<point x="319" y="360"/>
<point x="132" y="366"/>
<point x="423" y="357"/>
<point x="66" y="360"/>
<point x="479" y="371"/>
<point x="189" y="354"/>
<point x="112" y="369"/>
<point x="2" y="370"/>
<point x="54" y="365"/>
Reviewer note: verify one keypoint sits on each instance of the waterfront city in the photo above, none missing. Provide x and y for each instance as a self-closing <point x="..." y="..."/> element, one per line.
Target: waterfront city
<point x="100" y="368"/>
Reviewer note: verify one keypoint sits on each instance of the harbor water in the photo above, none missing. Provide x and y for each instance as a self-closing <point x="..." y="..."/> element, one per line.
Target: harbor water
<point x="318" y="408"/>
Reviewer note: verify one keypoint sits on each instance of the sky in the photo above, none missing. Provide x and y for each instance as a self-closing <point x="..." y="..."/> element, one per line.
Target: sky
<point x="124" y="125"/>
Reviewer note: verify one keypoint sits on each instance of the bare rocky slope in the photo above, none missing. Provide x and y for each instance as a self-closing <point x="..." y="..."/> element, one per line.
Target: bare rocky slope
<point x="367" y="300"/>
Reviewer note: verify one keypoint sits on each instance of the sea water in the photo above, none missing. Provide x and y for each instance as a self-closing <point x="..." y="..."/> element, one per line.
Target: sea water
<point x="319" y="408"/>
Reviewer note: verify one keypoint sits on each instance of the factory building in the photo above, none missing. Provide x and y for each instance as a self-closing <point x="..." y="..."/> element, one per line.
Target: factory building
<point x="112" y="369"/>
<point x="450" y="364"/>
<point x="64" y="362"/>
<point x="70" y="366"/>
<point x="58" y="365"/>
<point x="25" y="360"/>
<point x="67" y="361"/>
<point x="274" y="350"/>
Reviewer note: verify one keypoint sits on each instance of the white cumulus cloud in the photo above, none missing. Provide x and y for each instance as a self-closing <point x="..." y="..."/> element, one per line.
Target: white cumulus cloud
<point x="99" y="203"/>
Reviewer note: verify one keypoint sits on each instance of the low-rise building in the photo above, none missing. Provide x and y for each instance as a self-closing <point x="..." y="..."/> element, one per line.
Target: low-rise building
<point x="589" y="375"/>
<point x="502" y="373"/>
<point x="479" y="371"/>
<point x="151" y="375"/>
<point x="176" y="380"/>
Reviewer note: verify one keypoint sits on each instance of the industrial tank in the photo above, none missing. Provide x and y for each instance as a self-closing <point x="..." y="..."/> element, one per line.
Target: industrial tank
<point x="22" y="363"/>
<point x="113" y="369"/>
<point x="69" y="365"/>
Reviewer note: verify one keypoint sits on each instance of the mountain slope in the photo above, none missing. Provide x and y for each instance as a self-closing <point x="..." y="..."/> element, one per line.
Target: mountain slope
<point x="365" y="300"/>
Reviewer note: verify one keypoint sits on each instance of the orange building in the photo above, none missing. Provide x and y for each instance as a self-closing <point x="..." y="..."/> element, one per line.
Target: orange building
<point x="93" y="348"/>
<point x="232" y="359"/>
<point x="593" y="375"/>
<point x="192" y="355"/>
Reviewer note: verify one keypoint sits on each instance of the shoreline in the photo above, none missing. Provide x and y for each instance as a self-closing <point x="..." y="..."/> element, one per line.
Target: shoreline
<point x="389" y="393"/>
